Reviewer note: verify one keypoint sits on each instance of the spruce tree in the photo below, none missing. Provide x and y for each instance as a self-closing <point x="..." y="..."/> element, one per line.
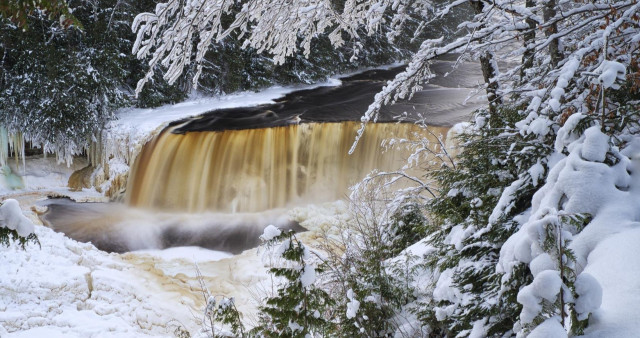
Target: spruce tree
<point x="299" y="308"/>
<point x="467" y="236"/>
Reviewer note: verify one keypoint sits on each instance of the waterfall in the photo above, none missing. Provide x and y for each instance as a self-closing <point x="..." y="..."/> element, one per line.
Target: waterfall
<point x="259" y="169"/>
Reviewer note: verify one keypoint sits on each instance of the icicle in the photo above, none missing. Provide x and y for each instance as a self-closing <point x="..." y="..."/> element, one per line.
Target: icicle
<point x="4" y="146"/>
<point x="11" y="144"/>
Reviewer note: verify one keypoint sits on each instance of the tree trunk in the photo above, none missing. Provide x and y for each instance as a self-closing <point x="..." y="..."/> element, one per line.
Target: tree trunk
<point x="549" y="13"/>
<point x="528" y="38"/>
<point x="489" y="71"/>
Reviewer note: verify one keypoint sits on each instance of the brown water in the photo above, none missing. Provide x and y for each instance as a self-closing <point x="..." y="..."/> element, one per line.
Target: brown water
<point x="259" y="169"/>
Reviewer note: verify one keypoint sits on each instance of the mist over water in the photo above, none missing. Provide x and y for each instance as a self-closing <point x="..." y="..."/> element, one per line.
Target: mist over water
<point x="115" y="227"/>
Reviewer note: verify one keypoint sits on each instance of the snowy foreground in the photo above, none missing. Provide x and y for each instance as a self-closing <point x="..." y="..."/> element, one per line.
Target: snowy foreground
<point x="69" y="289"/>
<point x="607" y="252"/>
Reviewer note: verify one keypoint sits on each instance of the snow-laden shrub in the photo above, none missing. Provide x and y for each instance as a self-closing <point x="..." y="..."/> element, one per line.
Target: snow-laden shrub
<point x="14" y="226"/>
<point x="368" y="277"/>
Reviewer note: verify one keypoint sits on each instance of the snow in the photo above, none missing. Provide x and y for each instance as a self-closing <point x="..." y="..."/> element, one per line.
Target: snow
<point x="612" y="263"/>
<point x="608" y="275"/>
<point x="610" y="72"/>
<point x="478" y="330"/>
<point x="589" y="294"/>
<point x="540" y="126"/>
<point x="595" y="145"/>
<point x="270" y="232"/>
<point x="541" y="263"/>
<point x="537" y="173"/>
<point x="444" y="291"/>
<point x="295" y="327"/>
<point x="550" y="328"/>
<point x="71" y="289"/>
<point x="11" y="217"/>
<point x="565" y="134"/>
<point x="531" y="305"/>
<point x="308" y="276"/>
<point x="547" y="284"/>
<point x="353" y="305"/>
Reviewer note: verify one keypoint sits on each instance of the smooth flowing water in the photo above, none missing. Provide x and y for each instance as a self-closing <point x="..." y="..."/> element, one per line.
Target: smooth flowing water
<point x="255" y="170"/>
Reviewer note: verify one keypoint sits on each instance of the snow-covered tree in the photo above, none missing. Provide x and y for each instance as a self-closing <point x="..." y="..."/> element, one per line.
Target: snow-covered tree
<point x="59" y="86"/>
<point x="300" y="308"/>
<point x="369" y="284"/>
<point x="18" y="11"/>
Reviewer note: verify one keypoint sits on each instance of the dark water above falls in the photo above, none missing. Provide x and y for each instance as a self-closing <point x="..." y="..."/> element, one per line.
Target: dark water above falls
<point x="217" y="180"/>
<point x="440" y="103"/>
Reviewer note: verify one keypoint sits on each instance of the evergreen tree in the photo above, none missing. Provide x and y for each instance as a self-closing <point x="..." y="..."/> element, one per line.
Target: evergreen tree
<point x="467" y="238"/>
<point x="59" y="87"/>
<point x="300" y="308"/>
<point x="19" y="10"/>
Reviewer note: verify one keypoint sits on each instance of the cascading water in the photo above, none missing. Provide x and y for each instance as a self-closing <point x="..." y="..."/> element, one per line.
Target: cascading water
<point x="258" y="169"/>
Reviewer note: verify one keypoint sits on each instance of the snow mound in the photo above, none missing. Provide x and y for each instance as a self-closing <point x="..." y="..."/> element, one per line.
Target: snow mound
<point x="610" y="72"/>
<point x="270" y="232"/>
